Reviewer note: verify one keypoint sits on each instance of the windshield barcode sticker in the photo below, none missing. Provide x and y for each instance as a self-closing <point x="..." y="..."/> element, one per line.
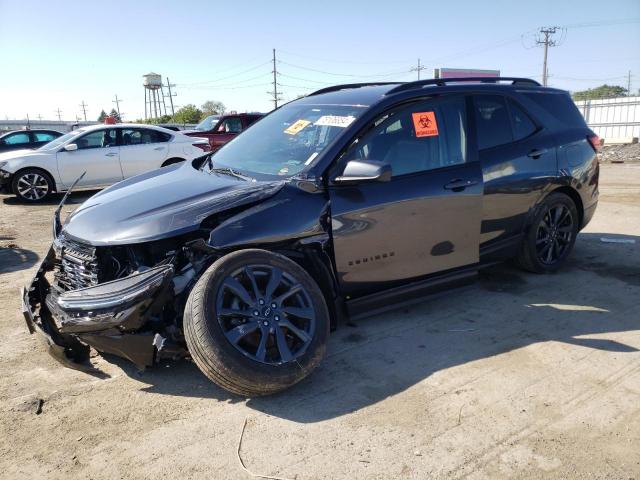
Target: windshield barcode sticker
<point x="335" y="121"/>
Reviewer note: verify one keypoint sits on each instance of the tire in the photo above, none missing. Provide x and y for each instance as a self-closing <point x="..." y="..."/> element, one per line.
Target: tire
<point x="32" y="185"/>
<point x="172" y="161"/>
<point x="242" y="353"/>
<point x="551" y="236"/>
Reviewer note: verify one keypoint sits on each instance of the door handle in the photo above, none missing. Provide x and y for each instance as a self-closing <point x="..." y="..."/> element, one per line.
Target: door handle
<point x="159" y="148"/>
<point x="458" y="184"/>
<point x="112" y="154"/>
<point x="537" y="152"/>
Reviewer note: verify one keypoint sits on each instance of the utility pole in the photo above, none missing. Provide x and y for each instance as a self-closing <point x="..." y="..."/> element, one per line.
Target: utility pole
<point x="39" y="117"/>
<point x="28" y="121"/>
<point x="84" y="109"/>
<point x="59" y="115"/>
<point x="275" y="81"/>
<point x="547" y="42"/>
<point x="171" y="95"/>
<point x="418" y="69"/>
<point x="117" y="102"/>
<point x="629" y="84"/>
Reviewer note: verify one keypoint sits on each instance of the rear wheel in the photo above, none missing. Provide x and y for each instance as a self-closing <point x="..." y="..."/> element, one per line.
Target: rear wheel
<point x="256" y="323"/>
<point x="552" y="235"/>
<point x="32" y="185"/>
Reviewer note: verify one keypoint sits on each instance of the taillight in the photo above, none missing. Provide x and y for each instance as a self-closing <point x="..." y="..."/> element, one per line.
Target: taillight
<point x="595" y="142"/>
<point x="205" y="147"/>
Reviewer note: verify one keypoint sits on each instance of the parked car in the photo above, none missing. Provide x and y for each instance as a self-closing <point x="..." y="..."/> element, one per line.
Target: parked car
<point x="220" y="129"/>
<point x="26" y="139"/>
<point x="107" y="153"/>
<point x="349" y="201"/>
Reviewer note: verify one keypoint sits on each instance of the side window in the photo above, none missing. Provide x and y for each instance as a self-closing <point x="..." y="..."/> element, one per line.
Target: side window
<point x="97" y="139"/>
<point x="43" y="136"/>
<point x="424" y="136"/>
<point x="230" y="125"/>
<point x="17" y="139"/>
<point x="492" y="121"/>
<point x="523" y="126"/>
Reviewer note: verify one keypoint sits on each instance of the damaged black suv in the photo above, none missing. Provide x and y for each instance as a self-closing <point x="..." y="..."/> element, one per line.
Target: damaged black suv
<point x="342" y="203"/>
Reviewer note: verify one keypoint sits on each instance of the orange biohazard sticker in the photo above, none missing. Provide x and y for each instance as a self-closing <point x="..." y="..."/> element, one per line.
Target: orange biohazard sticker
<point x="425" y="124"/>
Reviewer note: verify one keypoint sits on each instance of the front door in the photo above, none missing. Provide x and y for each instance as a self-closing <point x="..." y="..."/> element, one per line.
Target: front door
<point x="97" y="154"/>
<point x="427" y="218"/>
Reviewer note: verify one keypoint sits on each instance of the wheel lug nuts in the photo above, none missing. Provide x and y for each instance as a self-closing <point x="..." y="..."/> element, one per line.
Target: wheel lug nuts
<point x="277" y="318"/>
<point x="256" y="313"/>
<point x="261" y="302"/>
<point x="265" y="323"/>
<point x="273" y="305"/>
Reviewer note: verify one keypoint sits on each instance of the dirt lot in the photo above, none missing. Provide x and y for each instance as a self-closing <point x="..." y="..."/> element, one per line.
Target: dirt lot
<point x="519" y="376"/>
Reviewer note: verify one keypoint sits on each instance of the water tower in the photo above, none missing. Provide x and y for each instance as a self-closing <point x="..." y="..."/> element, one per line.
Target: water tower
<point x="153" y="96"/>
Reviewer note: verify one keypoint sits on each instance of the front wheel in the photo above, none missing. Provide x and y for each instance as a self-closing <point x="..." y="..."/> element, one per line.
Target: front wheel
<point x="256" y="323"/>
<point x="551" y="236"/>
<point x="32" y="185"/>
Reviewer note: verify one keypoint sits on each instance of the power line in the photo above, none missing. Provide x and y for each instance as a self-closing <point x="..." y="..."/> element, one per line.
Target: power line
<point x="388" y="74"/>
<point x="227" y="77"/>
<point x="352" y="62"/>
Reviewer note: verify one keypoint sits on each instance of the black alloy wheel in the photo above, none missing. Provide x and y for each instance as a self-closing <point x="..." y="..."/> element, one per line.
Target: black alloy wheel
<point x="266" y="314"/>
<point x="550" y="237"/>
<point x="555" y="234"/>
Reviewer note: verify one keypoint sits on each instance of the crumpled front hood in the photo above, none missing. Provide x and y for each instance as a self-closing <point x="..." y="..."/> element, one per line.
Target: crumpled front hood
<point x="160" y="204"/>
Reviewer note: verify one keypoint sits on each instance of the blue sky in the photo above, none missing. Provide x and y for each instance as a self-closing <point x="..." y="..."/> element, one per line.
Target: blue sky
<point x="56" y="54"/>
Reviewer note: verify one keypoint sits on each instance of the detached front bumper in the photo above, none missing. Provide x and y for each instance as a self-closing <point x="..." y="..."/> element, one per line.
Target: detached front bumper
<point x="109" y="317"/>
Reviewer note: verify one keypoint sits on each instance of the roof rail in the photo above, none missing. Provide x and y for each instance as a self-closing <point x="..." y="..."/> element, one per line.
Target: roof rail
<point x="335" y="88"/>
<point x="444" y="81"/>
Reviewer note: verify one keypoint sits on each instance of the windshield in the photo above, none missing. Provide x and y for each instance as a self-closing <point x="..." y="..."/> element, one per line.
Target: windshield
<point x="53" y="144"/>
<point x="208" y="123"/>
<point x="288" y="140"/>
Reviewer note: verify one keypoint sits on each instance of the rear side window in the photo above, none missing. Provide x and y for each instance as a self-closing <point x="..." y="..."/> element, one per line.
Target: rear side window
<point x="523" y="126"/>
<point x="492" y="121"/>
<point x="44" y="136"/>
<point x="560" y="106"/>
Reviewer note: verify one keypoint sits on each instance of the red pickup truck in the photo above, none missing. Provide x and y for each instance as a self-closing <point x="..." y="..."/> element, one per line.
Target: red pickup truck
<point x="219" y="129"/>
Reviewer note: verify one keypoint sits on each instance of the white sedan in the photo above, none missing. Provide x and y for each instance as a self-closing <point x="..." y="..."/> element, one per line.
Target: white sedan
<point x="107" y="153"/>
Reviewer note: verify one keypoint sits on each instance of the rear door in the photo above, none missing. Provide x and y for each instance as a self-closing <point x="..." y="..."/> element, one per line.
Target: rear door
<point x="97" y="155"/>
<point x="518" y="160"/>
<point x="427" y="218"/>
<point x="142" y="149"/>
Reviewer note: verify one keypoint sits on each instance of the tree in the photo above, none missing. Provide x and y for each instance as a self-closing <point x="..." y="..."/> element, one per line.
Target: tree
<point x="212" y="107"/>
<point x="102" y="116"/>
<point x="603" y="91"/>
<point x="113" y="113"/>
<point x="188" y="114"/>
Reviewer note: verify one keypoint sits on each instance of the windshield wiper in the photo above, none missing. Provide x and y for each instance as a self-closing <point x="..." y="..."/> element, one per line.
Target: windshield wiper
<point x="230" y="171"/>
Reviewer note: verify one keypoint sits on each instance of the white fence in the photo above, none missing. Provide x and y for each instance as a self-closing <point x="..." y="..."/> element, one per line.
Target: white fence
<point x="612" y="117"/>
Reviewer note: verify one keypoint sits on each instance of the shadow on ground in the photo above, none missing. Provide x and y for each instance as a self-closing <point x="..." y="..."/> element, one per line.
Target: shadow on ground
<point x="508" y="309"/>
<point x="75" y="198"/>
<point x="14" y="259"/>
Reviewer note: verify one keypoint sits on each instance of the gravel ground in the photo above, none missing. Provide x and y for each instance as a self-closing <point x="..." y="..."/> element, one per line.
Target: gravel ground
<point x="519" y="376"/>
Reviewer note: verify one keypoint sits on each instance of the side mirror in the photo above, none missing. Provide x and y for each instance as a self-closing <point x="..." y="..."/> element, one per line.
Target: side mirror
<point x="71" y="147"/>
<point x="365" y="171"/>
